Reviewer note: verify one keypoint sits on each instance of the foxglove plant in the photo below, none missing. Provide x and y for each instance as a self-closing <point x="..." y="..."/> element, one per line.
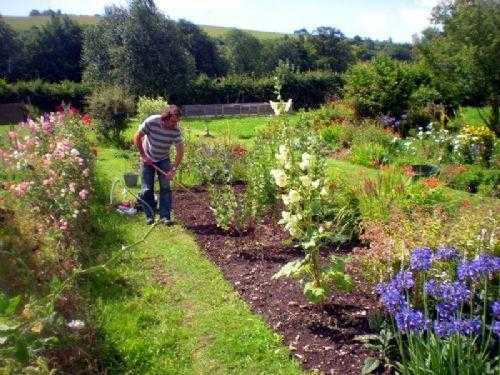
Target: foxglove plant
<point x="444" y="306"/>
<point x="311" y="219"/>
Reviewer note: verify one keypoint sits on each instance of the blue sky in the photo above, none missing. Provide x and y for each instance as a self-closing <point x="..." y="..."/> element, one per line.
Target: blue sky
<point x="378" y="19"/>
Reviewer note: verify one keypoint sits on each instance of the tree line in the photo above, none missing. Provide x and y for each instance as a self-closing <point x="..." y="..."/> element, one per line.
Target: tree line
<point x="62" y="49"/>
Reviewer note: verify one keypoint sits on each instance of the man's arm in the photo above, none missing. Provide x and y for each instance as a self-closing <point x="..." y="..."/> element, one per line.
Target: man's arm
<point x="138" y="143"/>
<point x="179" y="153"/>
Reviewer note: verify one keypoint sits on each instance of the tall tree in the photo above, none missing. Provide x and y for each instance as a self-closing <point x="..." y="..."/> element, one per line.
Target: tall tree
<point x="243" y="52"/>
<point x="140" y="48"/>
<point x="10" y="50"/>
<point x="286" y="48"/>
<point x="203" y="49"/>
<point x="53" y="51"/>
<point x="467" y="51"/>
<point x="331" y="49"/>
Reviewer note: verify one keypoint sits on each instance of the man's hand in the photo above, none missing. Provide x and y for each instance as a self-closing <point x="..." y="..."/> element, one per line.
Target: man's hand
<point x="170" y="174"/>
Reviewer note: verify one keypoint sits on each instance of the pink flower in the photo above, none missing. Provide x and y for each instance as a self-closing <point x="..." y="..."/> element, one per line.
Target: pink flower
<point x="63" y="224"/>
<point x="47" y="182"/>
<point x="81" y="162"/>
<point x="22" y="188"/>
<point x="12" y="136"/>
<point x="72" y="187"/>
<point x="84" y="194"/>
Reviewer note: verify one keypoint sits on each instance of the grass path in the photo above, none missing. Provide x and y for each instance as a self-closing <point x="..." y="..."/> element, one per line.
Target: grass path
<point x="165" y="309"/>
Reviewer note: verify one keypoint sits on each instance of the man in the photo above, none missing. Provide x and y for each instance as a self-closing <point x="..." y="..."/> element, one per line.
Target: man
<point x="154" y="139"/>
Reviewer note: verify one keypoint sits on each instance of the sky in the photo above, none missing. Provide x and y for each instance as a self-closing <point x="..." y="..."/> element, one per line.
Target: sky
<point x="377" y="19"/>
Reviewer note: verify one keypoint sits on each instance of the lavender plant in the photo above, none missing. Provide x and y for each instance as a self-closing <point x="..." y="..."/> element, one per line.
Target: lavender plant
<point x="445" y="311"/>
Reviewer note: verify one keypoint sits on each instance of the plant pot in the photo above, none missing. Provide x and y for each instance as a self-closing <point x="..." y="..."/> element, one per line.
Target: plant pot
<point x="130" y="179"/>
<point x="424" y="170"/>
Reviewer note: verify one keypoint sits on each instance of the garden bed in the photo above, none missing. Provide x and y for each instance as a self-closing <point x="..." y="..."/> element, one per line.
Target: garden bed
<point x="322" y="337"/>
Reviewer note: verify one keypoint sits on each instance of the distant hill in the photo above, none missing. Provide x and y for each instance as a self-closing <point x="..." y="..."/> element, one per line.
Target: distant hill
<point x="23" y="23"/>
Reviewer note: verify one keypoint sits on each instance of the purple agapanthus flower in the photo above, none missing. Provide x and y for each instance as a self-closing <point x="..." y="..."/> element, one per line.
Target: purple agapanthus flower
<point x="453" y="292"/>
<point x="466" y="327"/>
<point x="410" y="320"/>
<point x="479" y="267"/>
<point x="446" y="253"/>
<point x="391" y="297"/>
<point x="495" y="309"/>
<point x="495" y="327"/>
<point x="387" y="120"/>
<point x="403" y="280"/>
<point x="443" y="328"/>
<point x="446" y="310"/>
<point x="421" y="259"/>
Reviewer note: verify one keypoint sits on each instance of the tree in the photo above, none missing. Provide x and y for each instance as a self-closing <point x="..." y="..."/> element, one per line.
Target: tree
<point x="467" y="51"/>
<point x="331" y="49"/>
<point x="287" y="48"/>
<point x="139" y="48"/>
<point x="203" y="49"/>
<point x="243" y="52"/>
<point x="34" y="13"/>
<point x="10" y="50"/>
<point x="53" y="51"/>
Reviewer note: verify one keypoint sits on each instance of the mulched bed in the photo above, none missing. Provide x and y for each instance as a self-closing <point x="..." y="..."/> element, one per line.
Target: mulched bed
<point x="321" y="337"/>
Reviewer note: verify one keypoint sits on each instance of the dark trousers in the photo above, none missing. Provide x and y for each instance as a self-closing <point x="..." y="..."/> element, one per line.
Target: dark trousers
<point x="147" y="189"/>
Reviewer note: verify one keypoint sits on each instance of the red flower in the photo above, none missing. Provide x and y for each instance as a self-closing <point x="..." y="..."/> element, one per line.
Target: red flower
<point x="73" y="110"/>
<point x="86" y="119"/>
<point x="431" y="182"/>
<point x="239" y="151"/>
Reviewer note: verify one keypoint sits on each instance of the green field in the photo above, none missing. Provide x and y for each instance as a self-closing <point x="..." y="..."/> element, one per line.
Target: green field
<point x="24" y="23"/>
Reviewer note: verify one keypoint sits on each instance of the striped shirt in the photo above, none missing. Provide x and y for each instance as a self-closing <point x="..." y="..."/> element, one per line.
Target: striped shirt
<point x="157" y="140"/>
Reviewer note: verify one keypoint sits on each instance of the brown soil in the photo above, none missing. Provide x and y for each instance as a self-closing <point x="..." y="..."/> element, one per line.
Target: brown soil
<point x="321" y="337"/>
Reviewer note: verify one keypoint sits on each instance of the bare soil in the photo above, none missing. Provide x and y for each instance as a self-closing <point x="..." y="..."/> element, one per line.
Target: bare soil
<point x="322" y="337"/>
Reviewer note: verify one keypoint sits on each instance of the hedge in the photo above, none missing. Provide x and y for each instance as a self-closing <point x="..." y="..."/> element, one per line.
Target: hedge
<point x="44" y="95"/>
<point x="308" y="89"/>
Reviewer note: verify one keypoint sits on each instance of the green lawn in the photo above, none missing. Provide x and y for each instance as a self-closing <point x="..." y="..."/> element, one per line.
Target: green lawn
<point x="240" y="128"/>
<point x="166" y="309"/>
<point x="475" y="115"/>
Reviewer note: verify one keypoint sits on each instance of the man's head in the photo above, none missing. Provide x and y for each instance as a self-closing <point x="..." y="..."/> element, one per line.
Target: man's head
<point x="171" y="116"/>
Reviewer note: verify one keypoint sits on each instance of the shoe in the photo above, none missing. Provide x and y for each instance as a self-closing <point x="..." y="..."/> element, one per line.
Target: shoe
<point x="150" y="221"/>
<point x="166" y="221"/>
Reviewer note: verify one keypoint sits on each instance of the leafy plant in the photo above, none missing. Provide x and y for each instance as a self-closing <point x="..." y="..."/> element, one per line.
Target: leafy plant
<point x="150" y="106"/>
<point x="110" y="106"/>
<point x="312" y="219"/>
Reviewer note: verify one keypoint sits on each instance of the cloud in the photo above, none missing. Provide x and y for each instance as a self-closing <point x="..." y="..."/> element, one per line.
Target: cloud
<point x="199" y="5"/>
<point x="427" y="3"/>
<point x="415" y="19"/>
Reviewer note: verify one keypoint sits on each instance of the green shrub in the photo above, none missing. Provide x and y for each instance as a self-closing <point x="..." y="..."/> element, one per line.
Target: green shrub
<point x="382" y="86"/>
<point x="369" y="154"/>
<point x="110" y="106"/>
<point x="370" y="132"/>
<point x="150" y="106"/>
<point x="338" y="135"/>
<point x="424" y="95"/>
<point x="476" y="179"/>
